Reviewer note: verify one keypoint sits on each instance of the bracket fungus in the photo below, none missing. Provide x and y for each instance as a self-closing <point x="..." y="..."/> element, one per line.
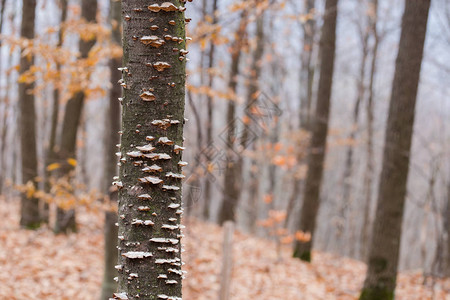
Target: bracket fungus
<point x="161" y="66"/>
<point x="161" y="261"/>
<point x="155" y="156"/>
<point x="134" y="154"/>
<point x="164" y="240"/>
<point x="147" y="96"/>
<point x="177" y="149"/>
<point x="174" y="205"/>
<point x="163" y="296"/>
<point x="150" y="179"/>
<point x="121" y="296"/>
<point x="144" y="208"/>
<point x="152" y="40"/>
<point x="175" y="175"/>
<point x="168" y="7"/>
<point x="137" y="254"/>
<point x="165" y="141"/>
<point x="183" y="164"/>
<point x="146" y="148"/>
<point x="142" y="222"/>
<point x="152" y="168"/>
<point x="145" y="197"/>
<point x="170" y="188"/>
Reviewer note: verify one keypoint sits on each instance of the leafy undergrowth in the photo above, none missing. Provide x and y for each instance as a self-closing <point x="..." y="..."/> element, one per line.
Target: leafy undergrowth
<point x="40" y="265"/>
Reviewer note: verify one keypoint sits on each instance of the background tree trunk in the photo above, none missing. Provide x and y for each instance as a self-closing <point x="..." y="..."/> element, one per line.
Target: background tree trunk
<point x="252" y="99"/>
<point x="149" y="230"/>
<point x="27" y="124"/>
<point x="65" y="220"/>
<point x="109" y="286"/>
<point x="369" y="172"/>
<point x="306" y="86"/>
<point x="317" y="149"/>
<point x="51" y="156"/>
<point x="384" y="250"/>
<point x="307" y="66"/>
<point x="5" y="109"/>
<point x="231" y="192"/>
<point x="209" y="122"/>
<point x="347" y="197"/>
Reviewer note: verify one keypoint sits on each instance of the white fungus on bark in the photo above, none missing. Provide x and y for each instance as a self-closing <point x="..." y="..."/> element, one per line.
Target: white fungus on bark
<point x="137" y="254"/>
<point x="175" y="175"/>
<point x="145" y="197"/>
<point x="146" y="148"/>
<point x="152" y="168"/>
<point x="174" y="205"/>
<point x="150" y="179"/>
<point x="170" y="188"/>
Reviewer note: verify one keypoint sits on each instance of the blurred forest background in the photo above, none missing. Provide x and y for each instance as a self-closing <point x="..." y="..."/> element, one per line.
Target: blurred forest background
<point x="252" y="90"/>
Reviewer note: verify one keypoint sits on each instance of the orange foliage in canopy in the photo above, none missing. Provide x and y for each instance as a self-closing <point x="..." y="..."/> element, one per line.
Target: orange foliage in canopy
<point x="74" y="72"/>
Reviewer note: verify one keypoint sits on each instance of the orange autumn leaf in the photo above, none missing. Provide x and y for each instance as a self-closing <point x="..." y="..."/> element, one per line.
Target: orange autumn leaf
<point x="72" y="162"/>
<point x="268" y="198"/>
<point x="303" y="236"/>
<point x="287" y="239"/>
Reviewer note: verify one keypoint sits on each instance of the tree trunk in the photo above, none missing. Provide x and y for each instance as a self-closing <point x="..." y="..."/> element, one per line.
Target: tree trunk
<point x="306" y="85"/>
<point x="348" y="168"/>
<point x="317" y="149"/>
<point x="252" y="94"/>
<point x="384" y="250"/>
<point x="231" y="191"/>
<point x="65" y="220"/>
<point x="446" y="223"/>
<point x="209" y="122"/>
<point x="307" y="68"/>
<point x="27" y="124"/>
<point x="109" y="286"/>
<point x="368" y="174"/>
<point x="5" y="111"/>
<point x="51" y="156"/>
<point x="153" y="116"/>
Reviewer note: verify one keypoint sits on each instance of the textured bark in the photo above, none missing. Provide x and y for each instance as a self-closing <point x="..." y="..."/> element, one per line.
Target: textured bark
<point x="369" y="172"/>
<point x="109" y="285"/>
<point x="51" y="155"/>
<point x="149" y="230"/>
<point x="209" y="122"/>
<point x="307" y="67"/>
<point x="317" y="149"/>
<point x="27" y="124"/>
<point x="65" y="220"/>
<point x="385" y="245"/>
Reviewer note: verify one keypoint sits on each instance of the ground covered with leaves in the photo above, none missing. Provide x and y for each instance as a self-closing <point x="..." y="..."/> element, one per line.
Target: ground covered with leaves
<point x="40" y="265"/>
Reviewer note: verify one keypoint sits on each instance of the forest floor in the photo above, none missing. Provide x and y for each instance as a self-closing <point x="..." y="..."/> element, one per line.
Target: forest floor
<point x="40" y="265"/>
